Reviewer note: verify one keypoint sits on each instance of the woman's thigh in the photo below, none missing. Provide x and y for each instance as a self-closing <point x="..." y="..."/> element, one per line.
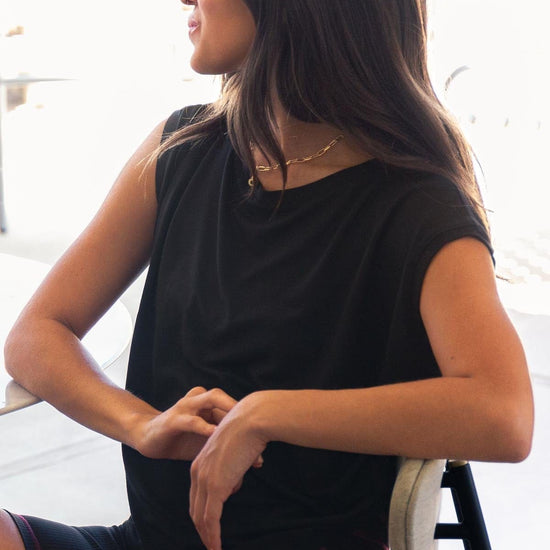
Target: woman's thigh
<point x="42" y="534"/>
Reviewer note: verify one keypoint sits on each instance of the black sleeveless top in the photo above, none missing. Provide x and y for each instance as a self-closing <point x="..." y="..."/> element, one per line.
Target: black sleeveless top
<point x="321" y="293"/>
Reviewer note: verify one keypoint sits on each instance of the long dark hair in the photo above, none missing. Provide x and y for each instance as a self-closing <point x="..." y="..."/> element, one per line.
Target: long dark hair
<point x="359" y="65"/>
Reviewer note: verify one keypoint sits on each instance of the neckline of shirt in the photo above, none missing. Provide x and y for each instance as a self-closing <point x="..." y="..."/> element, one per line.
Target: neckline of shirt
<point x="296" y="195"/>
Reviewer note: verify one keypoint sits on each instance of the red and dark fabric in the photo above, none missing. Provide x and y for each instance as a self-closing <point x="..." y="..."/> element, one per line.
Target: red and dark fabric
<point x="41" y="534"/>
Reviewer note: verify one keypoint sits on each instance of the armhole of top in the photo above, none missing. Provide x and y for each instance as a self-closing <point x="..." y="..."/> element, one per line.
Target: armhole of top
<point x="178" y="119"/>
<point x="437" y="244"/>
<point x="460" y="221"/>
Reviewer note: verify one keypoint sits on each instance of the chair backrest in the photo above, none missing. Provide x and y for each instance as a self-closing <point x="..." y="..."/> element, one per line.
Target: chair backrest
<point x="415" y="503"/>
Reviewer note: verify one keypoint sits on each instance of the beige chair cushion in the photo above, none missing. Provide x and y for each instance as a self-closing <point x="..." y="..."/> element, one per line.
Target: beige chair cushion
<point x="415" y="503"/>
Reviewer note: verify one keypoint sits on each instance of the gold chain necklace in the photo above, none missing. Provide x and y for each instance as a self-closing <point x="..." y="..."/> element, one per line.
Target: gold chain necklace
<point x="299" y="160"/>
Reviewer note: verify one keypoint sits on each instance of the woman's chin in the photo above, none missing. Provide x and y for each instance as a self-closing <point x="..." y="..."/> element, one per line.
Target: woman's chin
<point x="208" y="67"/>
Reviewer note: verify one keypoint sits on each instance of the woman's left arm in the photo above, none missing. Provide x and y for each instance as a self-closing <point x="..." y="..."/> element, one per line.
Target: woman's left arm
<point x="480" y="409"/>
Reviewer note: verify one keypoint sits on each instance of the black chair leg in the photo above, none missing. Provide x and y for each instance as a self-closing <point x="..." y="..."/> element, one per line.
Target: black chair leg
<point x="471" y="525"/>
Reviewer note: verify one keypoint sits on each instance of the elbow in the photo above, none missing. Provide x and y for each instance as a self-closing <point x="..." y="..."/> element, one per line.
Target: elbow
<point x="521" y="442"/>
<point x="18" y="348"/>
<point x="11" y="347"/>
<point x="517" y="450"/>
<point x="520" y="453"/>
<point x="515" y="433"/>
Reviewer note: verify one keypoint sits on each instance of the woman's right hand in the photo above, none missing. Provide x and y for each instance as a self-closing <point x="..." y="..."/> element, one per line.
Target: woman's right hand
<point x="180" y="432"/>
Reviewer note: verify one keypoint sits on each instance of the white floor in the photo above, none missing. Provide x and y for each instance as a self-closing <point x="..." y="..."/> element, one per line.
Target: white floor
<point x="52" y="467"/>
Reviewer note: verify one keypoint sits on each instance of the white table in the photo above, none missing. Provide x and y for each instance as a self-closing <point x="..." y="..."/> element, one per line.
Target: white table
<point x="19" y="278"/>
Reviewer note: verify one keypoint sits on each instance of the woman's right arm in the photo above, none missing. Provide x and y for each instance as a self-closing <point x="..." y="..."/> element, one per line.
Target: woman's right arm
<point x="43" y="351"/>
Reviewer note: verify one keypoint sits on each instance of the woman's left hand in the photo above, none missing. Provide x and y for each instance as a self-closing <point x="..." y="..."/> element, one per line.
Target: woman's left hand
<point x="218" y="470"/>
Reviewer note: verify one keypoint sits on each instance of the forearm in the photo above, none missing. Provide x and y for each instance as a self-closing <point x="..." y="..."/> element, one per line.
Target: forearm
<point x="47" y="359"/>
<point x="436" y="418"/>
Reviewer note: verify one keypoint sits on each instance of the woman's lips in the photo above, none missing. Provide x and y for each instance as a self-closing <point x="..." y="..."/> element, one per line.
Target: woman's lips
<point x="193" y="24"/>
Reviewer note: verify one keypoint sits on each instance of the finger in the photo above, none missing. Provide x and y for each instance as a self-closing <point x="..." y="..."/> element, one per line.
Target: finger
<point x="205" y="506"/>
<point x="197" y="390"/>
<point x="259" y="462"/>
<point x="212" y="528"/>
<point x="193" y="490"/>
<point x="197" y="498"/>
<point x="196" y="400"/>
<point x="184" y="405"/>
<point x="192" y="424"/>
<point x="217" y="415"/>
<point x="215" y="399"/>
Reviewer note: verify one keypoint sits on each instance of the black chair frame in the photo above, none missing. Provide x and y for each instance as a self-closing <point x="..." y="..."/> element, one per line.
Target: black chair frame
<point x="471" y="525"/>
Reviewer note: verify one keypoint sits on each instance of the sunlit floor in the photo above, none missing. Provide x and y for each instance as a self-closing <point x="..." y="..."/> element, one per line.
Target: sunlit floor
<point x="52" y="467"/>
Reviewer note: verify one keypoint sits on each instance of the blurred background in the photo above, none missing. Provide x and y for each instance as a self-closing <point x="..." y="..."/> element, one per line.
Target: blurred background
<point x="82" y="84"/>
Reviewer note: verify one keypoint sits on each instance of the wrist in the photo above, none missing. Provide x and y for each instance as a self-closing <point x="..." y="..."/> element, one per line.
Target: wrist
<point x="261" y="411"/>
<point x="136" y="427"/>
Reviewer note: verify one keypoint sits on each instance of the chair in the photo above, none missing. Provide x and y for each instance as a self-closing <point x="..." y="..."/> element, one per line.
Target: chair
<point x="415" y="502"/>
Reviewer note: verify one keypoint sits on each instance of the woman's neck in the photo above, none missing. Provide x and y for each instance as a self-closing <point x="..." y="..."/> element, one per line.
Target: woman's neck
<point x="300" y="140"/>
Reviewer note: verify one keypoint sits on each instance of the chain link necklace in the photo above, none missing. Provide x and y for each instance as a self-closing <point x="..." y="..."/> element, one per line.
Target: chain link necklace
<point x="300" y="160"/>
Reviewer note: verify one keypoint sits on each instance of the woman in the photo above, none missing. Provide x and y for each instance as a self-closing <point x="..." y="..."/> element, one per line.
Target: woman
<point x="320" y="296"/>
